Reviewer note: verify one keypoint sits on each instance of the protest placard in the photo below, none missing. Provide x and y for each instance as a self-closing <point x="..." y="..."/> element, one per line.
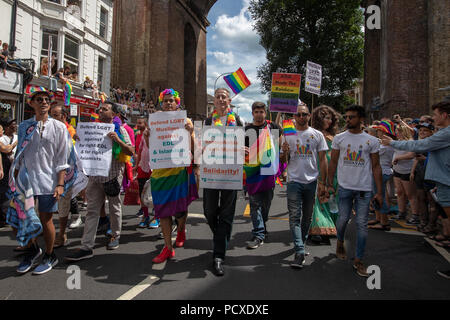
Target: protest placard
<point x="285" y="92"/>
<point x="170" y="142"/>
<point x="313" y="80"/>
<point x="94" y="148"/>
<point x="223" y="158"/>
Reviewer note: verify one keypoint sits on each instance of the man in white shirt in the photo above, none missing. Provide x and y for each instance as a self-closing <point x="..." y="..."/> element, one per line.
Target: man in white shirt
<point x="46" y="160"/>
<point x="301" y="151"/>
<point x="355" y="154"/>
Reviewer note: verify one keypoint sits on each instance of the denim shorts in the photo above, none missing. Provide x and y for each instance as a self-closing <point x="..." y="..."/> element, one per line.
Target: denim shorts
<point x="47" y="203"/>
<point x="443" y="194"/>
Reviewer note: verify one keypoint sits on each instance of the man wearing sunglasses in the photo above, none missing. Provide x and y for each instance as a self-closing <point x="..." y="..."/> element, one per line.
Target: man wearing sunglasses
<point x="301" y="151"/>
<point x="355" y="155"/>
<point x="45" y="159"/>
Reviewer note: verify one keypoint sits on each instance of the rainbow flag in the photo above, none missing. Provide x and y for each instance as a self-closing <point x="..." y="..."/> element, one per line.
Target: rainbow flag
<point x="173" y="190"/>
<point x="261" y="149"/>
<point x="237" y="81"/>
<point x="94" y="117"/>
<point x="67" y="93"/>
<point x="289" y="128"/>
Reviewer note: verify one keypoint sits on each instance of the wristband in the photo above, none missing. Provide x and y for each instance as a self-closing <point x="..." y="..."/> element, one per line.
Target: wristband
<point x="60" y="185"/>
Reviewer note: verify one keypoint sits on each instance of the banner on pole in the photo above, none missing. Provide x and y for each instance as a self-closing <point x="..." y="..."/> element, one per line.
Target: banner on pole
<point x="285" y="92"/>
<point x="313" y="80"/>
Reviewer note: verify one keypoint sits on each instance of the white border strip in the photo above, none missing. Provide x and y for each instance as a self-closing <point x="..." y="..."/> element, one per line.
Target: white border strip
<point x="441" y="250"/>
<point x="136" y="290"/>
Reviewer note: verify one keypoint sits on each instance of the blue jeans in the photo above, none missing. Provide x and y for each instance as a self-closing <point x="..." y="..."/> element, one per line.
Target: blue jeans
<point x="259" y="211"/>
<point x="300" y="200"/>
<point x="361" y="199"/>
<point x="384" y="207"/>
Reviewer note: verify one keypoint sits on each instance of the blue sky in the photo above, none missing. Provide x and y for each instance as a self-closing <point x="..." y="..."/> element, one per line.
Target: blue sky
<point x="232" y="43"/>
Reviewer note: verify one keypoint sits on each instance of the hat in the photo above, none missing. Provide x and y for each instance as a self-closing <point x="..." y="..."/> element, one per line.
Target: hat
<point x="387" y="126"/>
<point x="415" y="121"/>
<point x="123" y="112"/>
<point x="426" y="125"/>
<point x="5" y="122"/>
<point x="36" y="90"/>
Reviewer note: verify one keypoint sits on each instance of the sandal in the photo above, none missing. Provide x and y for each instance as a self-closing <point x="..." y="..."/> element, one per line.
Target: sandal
<point x="379" y="226"/>
<point x="373" y="222"/>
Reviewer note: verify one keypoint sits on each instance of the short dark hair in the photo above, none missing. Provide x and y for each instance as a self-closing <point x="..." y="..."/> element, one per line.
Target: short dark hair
<point x="443" y="106"/>
<point x="359" y="109"/>
<point x="258" y="105"/>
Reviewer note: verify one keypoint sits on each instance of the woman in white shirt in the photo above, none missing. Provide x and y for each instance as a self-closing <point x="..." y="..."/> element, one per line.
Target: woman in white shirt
<point x="402" y="165"/>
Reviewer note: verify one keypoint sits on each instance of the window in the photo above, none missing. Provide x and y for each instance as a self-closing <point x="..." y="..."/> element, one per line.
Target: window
<point x="101" y="63"/>
<point x="71" y="53"/>
<point x="55" y="1"/>
<point x="103" y="22"/>
<point x="48" y="34"/>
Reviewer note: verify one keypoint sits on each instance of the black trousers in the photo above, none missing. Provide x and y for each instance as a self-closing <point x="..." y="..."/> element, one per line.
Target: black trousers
<point x="219" y="207"/>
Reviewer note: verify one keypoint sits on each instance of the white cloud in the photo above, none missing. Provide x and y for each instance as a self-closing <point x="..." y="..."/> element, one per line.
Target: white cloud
<point x="222" y="57"/>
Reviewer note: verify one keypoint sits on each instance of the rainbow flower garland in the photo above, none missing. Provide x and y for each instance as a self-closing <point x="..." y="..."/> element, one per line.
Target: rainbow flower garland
<point x="231" y="118"/>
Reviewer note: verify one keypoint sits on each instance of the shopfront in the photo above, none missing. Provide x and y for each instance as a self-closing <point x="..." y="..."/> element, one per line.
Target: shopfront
<point x="11" y="94"/>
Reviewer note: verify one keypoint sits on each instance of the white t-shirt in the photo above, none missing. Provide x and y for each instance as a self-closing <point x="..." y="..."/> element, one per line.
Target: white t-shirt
<point x="403" y="166"/>
<point x="304" y="148"/>
<point x="386" y="157"/>
<point x="7" y="141"/>
<point x="354" y="170"/>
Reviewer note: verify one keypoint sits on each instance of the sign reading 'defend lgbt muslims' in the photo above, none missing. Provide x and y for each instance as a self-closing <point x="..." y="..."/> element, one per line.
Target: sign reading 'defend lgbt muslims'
<point x="313" y="80"/>
<point x="169" y="140"/>
<point x="285" y="92"/>
<point x="223" y="158"/>
<point x="94" y="148"/>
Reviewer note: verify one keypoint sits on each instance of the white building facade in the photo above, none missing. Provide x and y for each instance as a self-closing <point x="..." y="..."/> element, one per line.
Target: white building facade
<point x="80" y="31"/>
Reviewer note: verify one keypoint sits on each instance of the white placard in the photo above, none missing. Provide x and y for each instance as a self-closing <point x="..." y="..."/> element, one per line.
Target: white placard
<point x="313" y="80"/>
<point x="94" y="148"/>
<point x="170" y="142"/>
<point x="73" y="110"/>
<point x="222" y="159"/>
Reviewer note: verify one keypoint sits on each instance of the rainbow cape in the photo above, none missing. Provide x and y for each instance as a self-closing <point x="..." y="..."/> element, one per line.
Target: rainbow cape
<point x="260" y="157"/>
<point x="289" y="128"/>
<point x="237" y="81"/>
<point x="173" y="190"/>
<point x="67" y="93"/>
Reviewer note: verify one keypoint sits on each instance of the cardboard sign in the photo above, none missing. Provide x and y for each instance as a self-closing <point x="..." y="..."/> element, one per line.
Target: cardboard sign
<point x="313" y="80"/>
<point x="285" y="92"/>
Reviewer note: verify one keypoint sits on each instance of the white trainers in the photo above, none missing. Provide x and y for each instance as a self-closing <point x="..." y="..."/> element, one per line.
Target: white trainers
<point x="76" y="223"/>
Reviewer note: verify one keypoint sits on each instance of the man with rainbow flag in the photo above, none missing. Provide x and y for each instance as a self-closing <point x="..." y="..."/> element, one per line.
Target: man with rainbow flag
<point x="261" y="167"/>
<point x="301" y="150"/>
<point x="219" y="205"/>
<point x="99" y="188"/>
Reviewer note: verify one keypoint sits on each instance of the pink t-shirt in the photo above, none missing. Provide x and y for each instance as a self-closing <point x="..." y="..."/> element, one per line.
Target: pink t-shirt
<point x="130" y="133"/>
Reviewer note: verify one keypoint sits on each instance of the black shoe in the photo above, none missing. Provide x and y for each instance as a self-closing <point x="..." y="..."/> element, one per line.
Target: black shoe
<point x="218" y="267"/>
<point x="316" y="239"/>
<point x="255" y="243"/>
<point x="298" y="261"/>
<point x="80" y="255"/>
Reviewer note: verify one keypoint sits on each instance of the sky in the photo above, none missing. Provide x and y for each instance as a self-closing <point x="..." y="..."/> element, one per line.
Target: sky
<point x="232" y="43"/>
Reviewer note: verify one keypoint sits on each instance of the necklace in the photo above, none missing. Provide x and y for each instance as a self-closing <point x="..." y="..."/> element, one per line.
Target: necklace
<point x="231" y="119"/>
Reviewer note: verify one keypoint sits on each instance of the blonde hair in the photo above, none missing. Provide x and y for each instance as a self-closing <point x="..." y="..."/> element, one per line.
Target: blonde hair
<point x="222" y="89"/>
<point x="405" y="133"/>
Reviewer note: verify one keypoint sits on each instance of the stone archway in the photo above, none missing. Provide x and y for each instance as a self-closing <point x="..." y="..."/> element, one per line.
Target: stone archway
<point x="190" y="72"/>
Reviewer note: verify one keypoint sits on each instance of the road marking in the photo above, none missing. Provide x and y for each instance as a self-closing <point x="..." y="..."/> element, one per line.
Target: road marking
<point x="405" y="226"/>
<point x="136" y="290"/>
<point x="196" y="215"/>
<point x="247" y="211"/>
<point x="406" y="231"/>
<point x="441" y="250"/>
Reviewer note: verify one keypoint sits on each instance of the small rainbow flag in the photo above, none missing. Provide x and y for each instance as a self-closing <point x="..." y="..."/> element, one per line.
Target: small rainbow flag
<point x="237" y="81"/>
<point x="103" y="97"/>
<point x="289" y="128"/>
<point x="67" y="93"/>
<point x="94" y="117"/>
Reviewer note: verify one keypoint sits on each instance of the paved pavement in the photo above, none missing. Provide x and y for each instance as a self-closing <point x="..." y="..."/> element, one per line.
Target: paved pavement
<point x="407" y="262"/>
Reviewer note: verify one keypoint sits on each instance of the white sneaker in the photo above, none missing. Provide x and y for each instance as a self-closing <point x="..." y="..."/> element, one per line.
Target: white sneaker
<point x="76" y="223"/>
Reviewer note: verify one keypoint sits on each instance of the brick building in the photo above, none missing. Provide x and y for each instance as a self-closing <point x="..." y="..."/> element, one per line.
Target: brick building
<point x="159" y="44"/>
<point x="408" y="59"/>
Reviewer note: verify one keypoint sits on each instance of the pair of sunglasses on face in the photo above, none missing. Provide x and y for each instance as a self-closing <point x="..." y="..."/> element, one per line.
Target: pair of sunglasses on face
<point x="301" y="114"/>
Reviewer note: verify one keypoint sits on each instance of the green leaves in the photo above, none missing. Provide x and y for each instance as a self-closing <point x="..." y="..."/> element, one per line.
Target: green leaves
<point x="325" y="32"/>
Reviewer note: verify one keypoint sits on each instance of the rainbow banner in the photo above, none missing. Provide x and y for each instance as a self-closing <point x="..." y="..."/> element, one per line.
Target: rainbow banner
<point x="285" y="92"/>
<point x="289" y="128"/>
<point x="237" y="81"/>
<point x="67" y="93"/>
<point x="262" y="149"/>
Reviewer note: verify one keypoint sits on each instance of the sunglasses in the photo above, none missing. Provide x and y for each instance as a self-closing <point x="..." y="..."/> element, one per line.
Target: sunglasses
<point x="302" y="114"/>
<point x="40" y="100"/>
<point x="348" y="117"/>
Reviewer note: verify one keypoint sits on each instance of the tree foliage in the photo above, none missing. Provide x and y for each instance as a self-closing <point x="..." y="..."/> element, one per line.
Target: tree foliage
<point x="327" y="32"/>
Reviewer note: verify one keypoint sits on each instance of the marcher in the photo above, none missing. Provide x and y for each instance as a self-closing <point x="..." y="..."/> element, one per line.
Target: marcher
<point x="219" y="205"/>
<point x="303" y="151"/>
<point x="355" y="155"/>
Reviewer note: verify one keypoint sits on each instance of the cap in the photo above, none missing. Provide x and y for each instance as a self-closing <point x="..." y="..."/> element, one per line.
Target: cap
<point x="36" y="90"/>
<point x="426" y="125"/>
<point x="415" y="121"/>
